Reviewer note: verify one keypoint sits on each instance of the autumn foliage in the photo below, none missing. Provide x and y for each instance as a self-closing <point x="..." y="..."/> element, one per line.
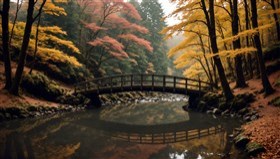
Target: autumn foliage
<point x="110" y="29"/>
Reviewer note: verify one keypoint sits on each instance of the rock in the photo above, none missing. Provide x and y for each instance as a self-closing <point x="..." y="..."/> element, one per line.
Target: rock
<point x="32" y="109"/>
<point x="231" y="135"/>
<point x="24" y="115"/>
<point x="226" y="112"/>
<point x="209" y="112"/>
<point x="243" y="111"/>
<point x="232" y="115"/>
<point x="241" y="140"/>
<point x="223" y="105"/>
<point x="216" y="111"/>
<point x="254" y="117"/>
<point x="37" y="114"/>
<point x="8" y="115"/>
<point x="238" y="129"/>
<point x="253" y="148"/>
<point x="247" y="118"/>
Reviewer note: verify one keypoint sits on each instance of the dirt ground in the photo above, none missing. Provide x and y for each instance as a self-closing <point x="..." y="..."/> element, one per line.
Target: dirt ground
<point x="8" y="100"/>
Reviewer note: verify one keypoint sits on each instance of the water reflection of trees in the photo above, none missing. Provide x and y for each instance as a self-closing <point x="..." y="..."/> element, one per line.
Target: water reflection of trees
<point x="69" y="136"/>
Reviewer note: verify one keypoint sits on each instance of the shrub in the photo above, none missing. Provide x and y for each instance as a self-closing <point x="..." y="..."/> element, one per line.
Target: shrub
<point x="41" y="86"/>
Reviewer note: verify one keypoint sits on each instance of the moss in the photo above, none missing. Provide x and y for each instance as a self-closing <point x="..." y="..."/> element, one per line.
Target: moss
<point x="254" y="148"/>
<point x="64" y="71"/>
<point x="41" y="86"/>
<point x="275" y="101"/>
<point x="277" y="83"/>
<point x="241" y="140"/>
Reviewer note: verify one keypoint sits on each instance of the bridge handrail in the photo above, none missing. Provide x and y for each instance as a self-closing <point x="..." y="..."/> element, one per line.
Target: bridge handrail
<point x="132" y="78"/>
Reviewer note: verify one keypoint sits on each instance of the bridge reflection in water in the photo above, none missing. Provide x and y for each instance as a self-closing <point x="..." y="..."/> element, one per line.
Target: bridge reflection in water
<point x="166" y="138"/>
<point x="86" y="135"/>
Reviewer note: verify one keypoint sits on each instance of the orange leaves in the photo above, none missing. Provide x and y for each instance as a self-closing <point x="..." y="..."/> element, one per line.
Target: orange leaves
<point x="111" y="45"/>
<point x="138" y="28"/>
<point x="94" y="27"/>
<point x="139" y="41"/>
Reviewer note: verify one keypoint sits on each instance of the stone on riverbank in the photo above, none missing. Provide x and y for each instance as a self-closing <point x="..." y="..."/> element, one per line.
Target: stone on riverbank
<point x="253" y="148"/>
<point x="241" y="141"/>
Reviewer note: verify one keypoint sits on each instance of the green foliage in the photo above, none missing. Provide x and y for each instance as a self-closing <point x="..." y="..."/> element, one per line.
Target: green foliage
<point x="64" y="72"/>
<point x="151" y="13"/>
<point x="41" y="86"/>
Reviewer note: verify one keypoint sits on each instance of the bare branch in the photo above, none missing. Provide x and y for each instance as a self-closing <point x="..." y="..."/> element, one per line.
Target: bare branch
<point x="223" y="9"/>
<point x="40" y="10"/>
<point x="196" y="32"/>
<point x="267" y="2"/>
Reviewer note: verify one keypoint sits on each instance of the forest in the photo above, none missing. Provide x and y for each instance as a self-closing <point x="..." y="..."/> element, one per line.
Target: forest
<point x="48" y="46"/>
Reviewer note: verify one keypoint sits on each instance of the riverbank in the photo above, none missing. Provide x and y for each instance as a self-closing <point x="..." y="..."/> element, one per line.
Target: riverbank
<point x="266" y="129"/>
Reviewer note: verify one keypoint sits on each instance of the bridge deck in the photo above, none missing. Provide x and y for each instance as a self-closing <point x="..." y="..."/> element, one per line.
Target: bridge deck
<point x="143" y="82"/>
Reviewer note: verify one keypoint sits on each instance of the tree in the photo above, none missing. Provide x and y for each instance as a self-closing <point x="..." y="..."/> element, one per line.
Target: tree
<point x="151" y="13"/>
<point x="275" y="16"/>
<point x="240" y="80"/>
<point x="198" y="12"/>
<point x="265" y="81"/>
<point x="111" y="31"/>
<point x="5" y="43"/>
<point x="29" y="22"/>
<point x="210" y="20"/>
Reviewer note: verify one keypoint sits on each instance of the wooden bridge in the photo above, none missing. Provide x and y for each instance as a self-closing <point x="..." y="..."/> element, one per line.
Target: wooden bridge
<point x="142" y="82"/>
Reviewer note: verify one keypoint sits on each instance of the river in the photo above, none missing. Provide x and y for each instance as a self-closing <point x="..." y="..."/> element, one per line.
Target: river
<point x="160" y="130"/>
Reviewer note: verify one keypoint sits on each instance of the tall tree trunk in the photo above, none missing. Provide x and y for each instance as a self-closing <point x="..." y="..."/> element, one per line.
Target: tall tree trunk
<point x="210" y="18"/>
<point x="231" y="70"/>
<point x="36" y="45"/>
<point x="25" y="42"/>
<point x="249" y="56"/>
<point x="265" y="82"/>
<point x="209" y="74"/>
<point x="5" y="43"/>
<point x="19" y="4"/>
<point x="276" y="20"/>
<point x="240" y="80"/>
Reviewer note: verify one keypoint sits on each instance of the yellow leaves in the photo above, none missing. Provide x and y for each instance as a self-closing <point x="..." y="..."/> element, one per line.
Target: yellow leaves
<point x="233" y="53"/>
<point x="150" y="68"/>
<point x="182" y="46"/>
<point x="183" y="60"/>
<point x="52" y="9"/>
<point x="57" y="55"/>
<point x="193" y="71"/>
<point x="61" y="42"/>
<point x="50" y="46"/>
<point x="52" y="29"/>
<point x="248" y="33"/>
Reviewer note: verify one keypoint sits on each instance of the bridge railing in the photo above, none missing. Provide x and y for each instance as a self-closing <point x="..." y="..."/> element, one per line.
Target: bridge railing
<point x="142" y="80"/>
<point x="169" y="137"/>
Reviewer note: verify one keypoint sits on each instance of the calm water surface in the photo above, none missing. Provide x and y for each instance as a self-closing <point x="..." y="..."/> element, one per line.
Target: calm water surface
<point x="160" y="130"/>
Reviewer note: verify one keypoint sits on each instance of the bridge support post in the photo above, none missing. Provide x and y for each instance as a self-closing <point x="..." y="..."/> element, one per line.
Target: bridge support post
<point x="193" y="101"/>
<point x="95" y="102"/>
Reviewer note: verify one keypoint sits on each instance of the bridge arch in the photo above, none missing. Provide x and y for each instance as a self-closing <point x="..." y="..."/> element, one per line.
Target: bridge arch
<point x="143" y="82"/>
